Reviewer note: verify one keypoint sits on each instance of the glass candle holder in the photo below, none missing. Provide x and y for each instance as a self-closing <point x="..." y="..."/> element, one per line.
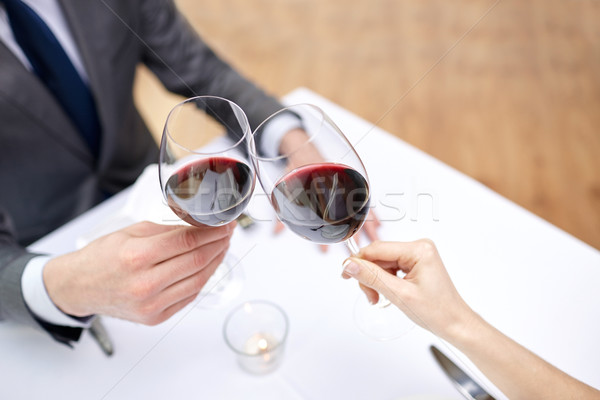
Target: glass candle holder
<point x="256" y="331"/>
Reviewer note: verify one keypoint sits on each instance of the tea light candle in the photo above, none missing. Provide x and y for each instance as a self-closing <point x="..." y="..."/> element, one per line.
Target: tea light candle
<point x="256" y="332"/>
<point x="262" y="353"/>
<point x="259" y="343"/>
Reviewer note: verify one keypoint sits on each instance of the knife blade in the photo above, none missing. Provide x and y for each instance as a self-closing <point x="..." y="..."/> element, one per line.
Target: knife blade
<point x="470" y="389"/>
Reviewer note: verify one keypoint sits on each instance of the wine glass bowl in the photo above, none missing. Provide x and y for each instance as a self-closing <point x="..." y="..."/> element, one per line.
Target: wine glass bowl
<point x="206" y="184"/>
<point x="318" y="185"/>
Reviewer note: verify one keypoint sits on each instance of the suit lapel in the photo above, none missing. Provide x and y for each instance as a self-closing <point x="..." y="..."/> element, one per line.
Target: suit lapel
<point x="27" y="93"/>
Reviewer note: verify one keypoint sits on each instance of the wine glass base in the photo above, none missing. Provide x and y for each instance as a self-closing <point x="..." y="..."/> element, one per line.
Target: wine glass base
<point x="380" y="323"/>
<point x="223" y="286"/>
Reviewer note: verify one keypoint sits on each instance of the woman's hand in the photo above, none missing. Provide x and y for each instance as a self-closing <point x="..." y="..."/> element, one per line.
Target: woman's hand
<point x="425" y="294"/>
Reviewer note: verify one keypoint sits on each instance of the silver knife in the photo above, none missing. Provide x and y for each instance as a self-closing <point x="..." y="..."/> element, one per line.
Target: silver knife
<point x="100" y="335"/>
<point x="470" y="389"/>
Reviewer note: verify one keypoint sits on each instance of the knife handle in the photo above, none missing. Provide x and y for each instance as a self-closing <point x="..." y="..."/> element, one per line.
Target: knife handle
<point x="101" y="337"/>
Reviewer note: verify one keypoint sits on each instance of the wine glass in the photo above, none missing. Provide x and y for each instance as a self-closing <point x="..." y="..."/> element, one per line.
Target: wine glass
<point x="320" y="190"/>
<point x="208" y="183"/>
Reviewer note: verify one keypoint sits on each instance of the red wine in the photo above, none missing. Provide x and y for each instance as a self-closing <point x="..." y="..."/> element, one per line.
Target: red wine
<point x="325" y="203"/>
<point x="212" y="191"/>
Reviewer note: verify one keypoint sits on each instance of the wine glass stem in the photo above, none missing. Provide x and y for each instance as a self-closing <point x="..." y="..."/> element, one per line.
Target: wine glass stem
<point x="354" y="250"/>
<point x="352" y="246"/>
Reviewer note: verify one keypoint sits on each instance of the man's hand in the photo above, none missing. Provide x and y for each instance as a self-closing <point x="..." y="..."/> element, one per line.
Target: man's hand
<point x="144" y="273"/>
<point x="298" y="149"/>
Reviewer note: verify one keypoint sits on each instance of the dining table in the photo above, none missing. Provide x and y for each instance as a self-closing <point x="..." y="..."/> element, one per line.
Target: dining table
<point x="531" y="280"/>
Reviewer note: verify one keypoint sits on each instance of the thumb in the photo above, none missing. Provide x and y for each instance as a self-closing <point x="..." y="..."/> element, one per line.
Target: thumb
<point x="373" y="276"/>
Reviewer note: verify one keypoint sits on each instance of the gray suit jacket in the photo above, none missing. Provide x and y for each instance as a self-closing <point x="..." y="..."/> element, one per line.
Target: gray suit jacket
<point x="47" y="174"/>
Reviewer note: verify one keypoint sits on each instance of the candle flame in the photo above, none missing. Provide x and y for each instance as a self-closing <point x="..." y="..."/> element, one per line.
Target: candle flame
<point x="263" y="344"/>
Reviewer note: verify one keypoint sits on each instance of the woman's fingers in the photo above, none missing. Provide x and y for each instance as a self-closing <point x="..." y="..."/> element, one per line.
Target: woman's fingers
<point x="372" y="295"/>
<point x="404" y="254"/>
<point x="372" y="276"/>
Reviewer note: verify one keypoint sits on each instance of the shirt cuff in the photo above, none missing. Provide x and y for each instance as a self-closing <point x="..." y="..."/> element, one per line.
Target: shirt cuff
<point x="275" y="131"/>
<point x="37" y="299"/>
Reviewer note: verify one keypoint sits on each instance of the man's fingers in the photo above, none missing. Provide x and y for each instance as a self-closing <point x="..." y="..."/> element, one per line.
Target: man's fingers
<point x="189" y="286"/>
<point x="147" y="228"/>
<point x="279" y="227"/>
<point x="171" y="310"/>
<point x="167" y="245"/>
<point x="187" y="264"/>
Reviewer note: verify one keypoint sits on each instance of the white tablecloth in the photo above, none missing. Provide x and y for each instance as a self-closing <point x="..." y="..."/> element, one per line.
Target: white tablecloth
<point x="528" y="278"/>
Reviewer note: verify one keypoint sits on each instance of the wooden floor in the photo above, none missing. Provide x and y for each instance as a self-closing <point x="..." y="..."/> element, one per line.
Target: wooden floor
<point x="505" y="91"/>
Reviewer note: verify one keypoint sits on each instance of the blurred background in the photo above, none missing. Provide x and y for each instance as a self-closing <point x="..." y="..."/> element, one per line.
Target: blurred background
<point x="506" y="91"/>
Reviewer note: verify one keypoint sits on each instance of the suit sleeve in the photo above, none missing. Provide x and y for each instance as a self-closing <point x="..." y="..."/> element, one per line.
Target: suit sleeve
<point x="13" y="260"/>
<point x="186" y="65"/>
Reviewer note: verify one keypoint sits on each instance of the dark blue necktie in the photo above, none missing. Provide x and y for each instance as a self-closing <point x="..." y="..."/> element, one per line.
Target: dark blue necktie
<point x="52" y="65"/>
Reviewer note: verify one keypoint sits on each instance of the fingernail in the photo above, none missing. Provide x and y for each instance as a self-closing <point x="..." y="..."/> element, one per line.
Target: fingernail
<point x="371" y="302"/>
<point x="350" y="267"/>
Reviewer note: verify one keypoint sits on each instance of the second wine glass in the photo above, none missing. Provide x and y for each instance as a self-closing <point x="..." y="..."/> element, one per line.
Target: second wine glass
<point x="208" y="182"/>
<point x="317" y="185"/>
<point x="320" y="190"/>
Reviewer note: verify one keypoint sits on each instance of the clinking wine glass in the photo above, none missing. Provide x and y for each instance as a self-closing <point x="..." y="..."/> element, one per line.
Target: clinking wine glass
<point x="208" y="184"/>
<point x="319" y="189"/>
